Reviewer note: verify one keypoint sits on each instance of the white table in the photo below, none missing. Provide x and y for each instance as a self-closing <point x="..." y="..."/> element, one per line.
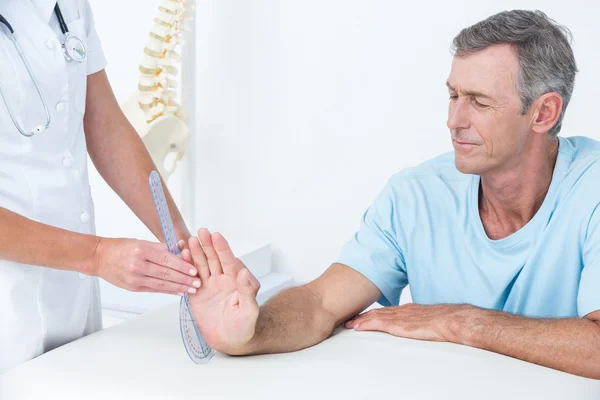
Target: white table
<point x="144" y="359"/>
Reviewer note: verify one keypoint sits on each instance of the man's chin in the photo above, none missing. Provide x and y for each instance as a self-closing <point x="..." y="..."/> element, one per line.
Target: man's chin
<point x="465" y="165"/>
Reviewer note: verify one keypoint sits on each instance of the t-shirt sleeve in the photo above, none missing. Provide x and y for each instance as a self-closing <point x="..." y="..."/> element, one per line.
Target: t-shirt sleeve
<point x="588" y="297"/>
<point x="374" y="249"/>
<point x="96" y="61"/>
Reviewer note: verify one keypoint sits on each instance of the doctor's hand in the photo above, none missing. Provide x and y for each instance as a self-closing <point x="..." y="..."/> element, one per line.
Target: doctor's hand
<point x="141" y="266"/>
<point x="225" y="307"/>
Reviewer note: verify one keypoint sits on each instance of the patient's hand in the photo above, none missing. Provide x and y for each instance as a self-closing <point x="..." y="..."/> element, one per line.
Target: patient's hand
<point x="225" y="307"/>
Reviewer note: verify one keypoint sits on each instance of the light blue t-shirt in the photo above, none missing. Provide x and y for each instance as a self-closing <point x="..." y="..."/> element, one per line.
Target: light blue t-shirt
<point x="424" y="230"/>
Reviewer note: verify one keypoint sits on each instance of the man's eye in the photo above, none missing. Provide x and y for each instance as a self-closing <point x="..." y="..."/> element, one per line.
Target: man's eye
<point x="480" y="105"/>
<point x="453" y="97"/>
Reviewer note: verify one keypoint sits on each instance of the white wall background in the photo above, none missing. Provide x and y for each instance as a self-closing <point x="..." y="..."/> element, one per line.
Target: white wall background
<point x="305" y="108"/>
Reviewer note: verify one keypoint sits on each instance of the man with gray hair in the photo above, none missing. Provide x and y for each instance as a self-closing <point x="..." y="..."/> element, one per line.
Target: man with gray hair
<point x="499" y="240"/>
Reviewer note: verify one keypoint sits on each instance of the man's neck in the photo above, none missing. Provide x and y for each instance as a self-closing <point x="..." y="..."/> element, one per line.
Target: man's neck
<point x="509" y="199"/>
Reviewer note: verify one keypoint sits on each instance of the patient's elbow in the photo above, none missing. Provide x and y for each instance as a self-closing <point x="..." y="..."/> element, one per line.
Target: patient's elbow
<point x="324" y="324"/>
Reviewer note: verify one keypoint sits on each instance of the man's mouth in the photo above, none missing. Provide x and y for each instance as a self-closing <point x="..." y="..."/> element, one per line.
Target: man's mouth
<point x="463" y="145"/>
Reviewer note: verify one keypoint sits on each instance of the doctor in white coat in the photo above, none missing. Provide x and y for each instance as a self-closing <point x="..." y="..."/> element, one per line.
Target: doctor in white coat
<point x="49" y="256"/>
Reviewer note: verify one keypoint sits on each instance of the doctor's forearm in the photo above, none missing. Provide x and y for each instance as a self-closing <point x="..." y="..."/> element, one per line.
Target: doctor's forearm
<point x="28" y="242"/>
<point x="125" y="165"/>
<point x="570" y="345"/>
<point x="121" y="157"/>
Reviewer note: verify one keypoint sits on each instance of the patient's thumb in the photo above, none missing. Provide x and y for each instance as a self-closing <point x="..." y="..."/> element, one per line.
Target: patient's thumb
<point x="244" y="282"/>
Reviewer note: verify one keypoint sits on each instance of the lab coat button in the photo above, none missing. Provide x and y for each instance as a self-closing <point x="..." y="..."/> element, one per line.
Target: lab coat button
<point x="84" y="217"/>
<point x="60" y="106"/>
<point x="67" y="162"/>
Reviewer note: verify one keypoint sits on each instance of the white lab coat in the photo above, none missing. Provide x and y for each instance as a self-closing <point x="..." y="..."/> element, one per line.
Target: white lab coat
<point x="44" y="178"/>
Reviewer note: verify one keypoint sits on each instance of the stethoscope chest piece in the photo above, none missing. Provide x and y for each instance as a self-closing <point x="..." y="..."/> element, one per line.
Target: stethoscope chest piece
<point x="74" y="49"/>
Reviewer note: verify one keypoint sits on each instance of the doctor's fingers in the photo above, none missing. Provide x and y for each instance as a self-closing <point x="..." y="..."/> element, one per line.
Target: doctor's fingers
<point x="214" y="264"/>
<point x="158" y="254"/>
<point x="154" y="285"/>
<point x="170" y="275"/>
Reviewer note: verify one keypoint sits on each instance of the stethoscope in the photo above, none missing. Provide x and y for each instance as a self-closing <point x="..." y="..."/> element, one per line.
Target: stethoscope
<point x="74" y="51"/>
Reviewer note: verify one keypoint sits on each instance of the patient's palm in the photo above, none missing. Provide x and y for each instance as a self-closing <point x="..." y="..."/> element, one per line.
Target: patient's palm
<point x="225" y="310"/>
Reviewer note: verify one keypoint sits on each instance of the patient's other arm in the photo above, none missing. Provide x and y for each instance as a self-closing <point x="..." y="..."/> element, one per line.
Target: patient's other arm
<point x="231" y="322"/>
<point x="570" y="345"/>
<point x="567" y="344"/>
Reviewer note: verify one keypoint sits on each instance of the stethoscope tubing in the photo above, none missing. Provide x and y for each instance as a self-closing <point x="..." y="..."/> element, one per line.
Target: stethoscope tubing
<point x="65" y="30"/>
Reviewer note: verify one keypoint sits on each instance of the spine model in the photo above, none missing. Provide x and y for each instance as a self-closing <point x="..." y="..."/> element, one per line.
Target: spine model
<point x="158" y="71"/>
<point x="153" y="109"/>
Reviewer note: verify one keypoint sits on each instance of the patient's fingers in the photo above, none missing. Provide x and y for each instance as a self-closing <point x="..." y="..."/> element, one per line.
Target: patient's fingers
<point x="199" y="258"/>
<point x="182" y="245"/>
<point x="211" y="255"/>
<point x="186" y="255"/>
<point x="229" y="262"/>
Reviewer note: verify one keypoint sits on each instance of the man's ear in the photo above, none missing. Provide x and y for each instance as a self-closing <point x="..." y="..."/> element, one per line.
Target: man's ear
<point x="546" y="111"/>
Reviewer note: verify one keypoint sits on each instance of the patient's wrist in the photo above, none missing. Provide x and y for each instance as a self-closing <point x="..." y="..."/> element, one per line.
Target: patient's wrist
<point x="248" y="348"/>
<point x="460" y="326"/>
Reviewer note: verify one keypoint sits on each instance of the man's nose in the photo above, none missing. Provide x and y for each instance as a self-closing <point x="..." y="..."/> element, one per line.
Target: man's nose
<point x="458" y="115"/>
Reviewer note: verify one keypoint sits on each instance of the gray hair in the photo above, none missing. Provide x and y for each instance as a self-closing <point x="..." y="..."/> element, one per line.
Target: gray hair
<point x="545" y="56"/>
